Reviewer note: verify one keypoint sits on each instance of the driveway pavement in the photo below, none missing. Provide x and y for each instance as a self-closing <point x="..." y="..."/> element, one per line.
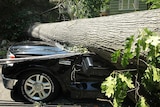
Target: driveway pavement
<point x="4" y="93"/>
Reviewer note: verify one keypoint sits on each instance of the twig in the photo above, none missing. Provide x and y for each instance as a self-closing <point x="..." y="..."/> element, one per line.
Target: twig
<point x="137" y="85"/>
<point x="59" y="4"/>
<point x="105" y="100"/>
<point x="125" y="70"/>
<point x="144" y="61"/>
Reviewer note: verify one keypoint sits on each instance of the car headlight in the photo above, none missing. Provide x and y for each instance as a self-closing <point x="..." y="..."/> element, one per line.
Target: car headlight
<point x="10" y="56"/>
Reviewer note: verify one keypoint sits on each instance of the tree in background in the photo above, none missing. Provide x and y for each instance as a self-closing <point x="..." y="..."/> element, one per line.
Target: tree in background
<point x="85" y="8"/>
<point x="154" y="4"/>
<point x="17" y="15"/>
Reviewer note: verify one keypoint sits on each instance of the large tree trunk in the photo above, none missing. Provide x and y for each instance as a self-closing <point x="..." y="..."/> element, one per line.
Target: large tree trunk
<point x="103" y="34"/>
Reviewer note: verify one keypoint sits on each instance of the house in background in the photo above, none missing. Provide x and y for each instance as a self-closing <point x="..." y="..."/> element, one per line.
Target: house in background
<point x="125" y="6"/>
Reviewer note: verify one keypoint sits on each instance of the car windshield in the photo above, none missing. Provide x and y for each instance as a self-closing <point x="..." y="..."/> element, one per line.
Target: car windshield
<point x="37" y="48"/>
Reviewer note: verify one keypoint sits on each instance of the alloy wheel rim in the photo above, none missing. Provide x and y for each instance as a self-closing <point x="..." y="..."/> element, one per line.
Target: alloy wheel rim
<point x="38" y="87"/>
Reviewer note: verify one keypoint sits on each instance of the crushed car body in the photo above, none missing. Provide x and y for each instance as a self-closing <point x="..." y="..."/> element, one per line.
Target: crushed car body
<point x="40" y="71"/>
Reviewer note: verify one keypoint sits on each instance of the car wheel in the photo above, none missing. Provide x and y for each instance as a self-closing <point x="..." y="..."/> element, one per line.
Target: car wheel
<point x="39" y="86"/>
<point x="15" y="95"/>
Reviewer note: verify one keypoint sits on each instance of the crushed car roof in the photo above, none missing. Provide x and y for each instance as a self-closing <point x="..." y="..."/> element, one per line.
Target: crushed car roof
<point x="37" y="48"/>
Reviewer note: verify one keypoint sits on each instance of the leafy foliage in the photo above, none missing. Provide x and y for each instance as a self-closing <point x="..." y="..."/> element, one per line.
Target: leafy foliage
<point x="154" y="3"/>
<point x="127" y="53"/>
<point x="86" y="8"/>
<point x="18" y="15"/>
<point x="147" y="43"/>
<point x="15" y="26"/>
<point x="116" y="85"/>
<point x="115" y="56"/>
<point x="142" y="102"/>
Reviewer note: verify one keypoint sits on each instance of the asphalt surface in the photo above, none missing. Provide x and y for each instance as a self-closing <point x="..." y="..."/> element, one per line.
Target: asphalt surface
<point x="4" y="93"/>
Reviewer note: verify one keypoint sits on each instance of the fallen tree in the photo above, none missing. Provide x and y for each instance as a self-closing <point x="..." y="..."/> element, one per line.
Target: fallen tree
<point x="103" y="35"/>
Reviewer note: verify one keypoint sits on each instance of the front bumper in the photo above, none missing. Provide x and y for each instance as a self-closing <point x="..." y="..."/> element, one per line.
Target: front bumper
<point x="8" y="83"/>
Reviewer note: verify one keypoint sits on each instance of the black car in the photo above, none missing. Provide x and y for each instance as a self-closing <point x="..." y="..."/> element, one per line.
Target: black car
<point x="78" y="76"/>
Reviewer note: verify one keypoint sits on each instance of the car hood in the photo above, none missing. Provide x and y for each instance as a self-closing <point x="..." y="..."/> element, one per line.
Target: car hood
<point x="36" y="48"/>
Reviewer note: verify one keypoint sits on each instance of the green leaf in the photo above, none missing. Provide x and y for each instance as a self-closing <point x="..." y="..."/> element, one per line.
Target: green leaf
<point x="108" y="86"/>
<point x="115" y="104"/>
<point x="147" y="74"/>
<point x="142" y="102"/>
<point x="124" y="60"/>
<point x="156" y="73"/>
<point x="128" y="81"/>
<point x="158" y="59"/>
<point x="153" y="40"/>
<point x="129" y="42"/>
<point x="115" y="56"/>
<point x="130" y="55"/>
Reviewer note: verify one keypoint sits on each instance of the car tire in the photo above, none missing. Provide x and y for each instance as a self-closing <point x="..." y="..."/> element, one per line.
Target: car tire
<point x="15" y="95"/>
<point x="38" y="86"/>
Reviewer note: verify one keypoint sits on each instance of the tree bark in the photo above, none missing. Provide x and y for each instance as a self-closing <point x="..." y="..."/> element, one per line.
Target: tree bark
<point x="102" y="35"/>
